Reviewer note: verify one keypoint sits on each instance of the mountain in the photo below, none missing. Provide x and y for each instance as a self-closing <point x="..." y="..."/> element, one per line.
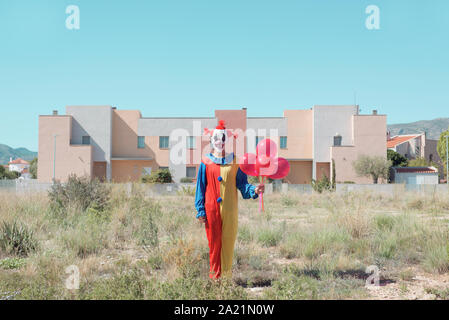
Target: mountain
<point x="432" y="127"/>
<point x="7" y="152"/>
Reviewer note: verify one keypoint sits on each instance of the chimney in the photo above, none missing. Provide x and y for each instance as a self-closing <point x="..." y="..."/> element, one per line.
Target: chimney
<point x="374" y="112"/>
<point x="10" y="159"/>
<point x="388" y="135"/>
<point x="55" y="112"/>
<point x="244" y="108"/>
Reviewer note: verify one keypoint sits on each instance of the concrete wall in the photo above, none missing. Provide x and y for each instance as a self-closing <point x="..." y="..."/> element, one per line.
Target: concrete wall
<point x="300" y="172"/>
<point x="69" y="159"/>
<point x="416" y="178"/>
<point x="328" y="121"/>
<point x="96" y="122"/>
<point x="369" y="139"/>
<point x="300" y="135"/>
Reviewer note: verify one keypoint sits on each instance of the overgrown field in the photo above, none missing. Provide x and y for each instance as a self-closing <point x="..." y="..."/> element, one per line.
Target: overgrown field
<point x="305" y="246"/>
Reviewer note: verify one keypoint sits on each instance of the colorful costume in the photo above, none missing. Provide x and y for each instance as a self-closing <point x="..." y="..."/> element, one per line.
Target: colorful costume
<point x="217" y="200"/>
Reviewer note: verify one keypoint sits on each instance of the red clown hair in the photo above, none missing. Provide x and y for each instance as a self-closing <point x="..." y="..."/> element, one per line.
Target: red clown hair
<point x="221" y="126"/>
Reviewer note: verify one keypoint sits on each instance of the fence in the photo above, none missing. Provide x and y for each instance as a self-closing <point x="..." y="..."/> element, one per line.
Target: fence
<point x="33" y="186"/>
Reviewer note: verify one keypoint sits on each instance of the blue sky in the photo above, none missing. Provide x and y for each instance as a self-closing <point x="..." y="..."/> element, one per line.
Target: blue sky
<point x="189" y="57"/>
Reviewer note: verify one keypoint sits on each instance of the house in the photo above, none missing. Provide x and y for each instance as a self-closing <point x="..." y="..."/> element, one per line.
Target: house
<point x="415" y="175"/>
<point x="120" y="145"/>
<point x="25" y="174"/>
<point x="416" y="146"/>
<point x="18" y="165"/>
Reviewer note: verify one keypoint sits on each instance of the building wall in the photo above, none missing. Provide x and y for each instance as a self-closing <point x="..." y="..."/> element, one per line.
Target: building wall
<point x="369" y="139"/>
<point x="416" y="178"/>
<point x="69" y="159"/>
<point x="300" y="172"/>
<point x="299" y="135"/>
<point x="327" y="122"/>
<point x="130" y="170"/>
<point x="96" y="122"/>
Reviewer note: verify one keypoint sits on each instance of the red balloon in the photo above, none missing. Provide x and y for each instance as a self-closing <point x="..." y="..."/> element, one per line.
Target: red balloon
<point x="267" y="147"/>
<point x="248" y="164"/>
<point x="283" y="168"/>
<point x="263" y="161"/>
<point x="266" y="166"/>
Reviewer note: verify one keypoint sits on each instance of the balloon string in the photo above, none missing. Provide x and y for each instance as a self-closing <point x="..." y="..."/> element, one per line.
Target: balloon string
<point x="261" y="207"/>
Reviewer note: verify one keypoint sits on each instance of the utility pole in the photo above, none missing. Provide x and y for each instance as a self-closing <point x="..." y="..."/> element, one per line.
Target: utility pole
<point x="447" y="158"/>
<point x="54" y="159"/>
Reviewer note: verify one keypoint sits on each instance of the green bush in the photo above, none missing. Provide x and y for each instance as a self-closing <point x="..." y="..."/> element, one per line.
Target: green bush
<point x="186" y="180"/>
<point x="79" y="192"/>
<point x="324" y="184"/>
<point x="158" y="176"/>
<point x="12" y="263"/>
<point x="16" y="238"/>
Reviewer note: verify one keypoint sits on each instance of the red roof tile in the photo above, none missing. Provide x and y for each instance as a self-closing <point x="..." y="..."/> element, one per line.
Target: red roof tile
<point x="416" y="170"/>
<point x="19" y="161"/>
<point x="393" y="142"/>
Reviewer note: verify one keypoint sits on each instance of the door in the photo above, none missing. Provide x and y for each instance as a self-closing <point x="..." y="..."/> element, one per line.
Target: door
<point x="99" y="171"/>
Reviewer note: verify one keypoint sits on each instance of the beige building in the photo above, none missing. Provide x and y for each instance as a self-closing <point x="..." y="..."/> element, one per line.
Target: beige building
<point x="121" y="145"/>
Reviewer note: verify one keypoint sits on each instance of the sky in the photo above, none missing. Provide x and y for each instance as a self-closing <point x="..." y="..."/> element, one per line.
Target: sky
<point x="190" y="57"/>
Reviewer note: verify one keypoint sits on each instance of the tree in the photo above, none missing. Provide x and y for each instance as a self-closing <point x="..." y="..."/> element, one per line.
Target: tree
<point x="33" y="168"/>
<point x="422" y="162"/>
<point x="2" y="172"/>
<point x="441" y="148"/>
<point x="158" y="176"/>
<point x="397" y="159"/>
<point x="372" y="166"/>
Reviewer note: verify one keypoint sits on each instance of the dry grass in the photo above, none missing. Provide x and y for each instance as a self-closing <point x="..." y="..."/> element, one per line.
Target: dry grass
<point x="304" y="246"/>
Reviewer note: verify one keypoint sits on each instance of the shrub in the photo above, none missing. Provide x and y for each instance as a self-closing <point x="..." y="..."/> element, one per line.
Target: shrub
<point x="79" y="192"/>
<point x="16" y="238"/>
<point x="158" y="176"/>
<point x="12" y="263"/>
<point x="186" y="180"/>
<point x="186" y="191"/>
<point x="324" y="184"/>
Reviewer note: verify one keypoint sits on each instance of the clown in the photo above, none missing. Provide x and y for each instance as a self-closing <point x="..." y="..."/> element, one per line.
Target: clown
<point x="219" y="177"/>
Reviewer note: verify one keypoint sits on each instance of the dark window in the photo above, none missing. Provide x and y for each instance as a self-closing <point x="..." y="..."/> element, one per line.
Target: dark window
<point x="163" y="142"/>
<point x="163" y="168"/>
<point x="258" y="139"/>
<point x="191" y="172"/>
<point x="283" y="141"/>
<point x="140" y="142"/>
<point x="86" y="140"/>
<point x="190" y="142"/>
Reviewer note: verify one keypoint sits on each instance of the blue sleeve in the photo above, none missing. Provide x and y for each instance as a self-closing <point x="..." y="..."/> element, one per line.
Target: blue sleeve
<point x="247" y="189"/>
<point x="200" y="194"/>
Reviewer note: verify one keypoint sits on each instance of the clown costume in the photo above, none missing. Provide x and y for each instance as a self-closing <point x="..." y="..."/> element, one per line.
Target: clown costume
<point x="216" y="200"/>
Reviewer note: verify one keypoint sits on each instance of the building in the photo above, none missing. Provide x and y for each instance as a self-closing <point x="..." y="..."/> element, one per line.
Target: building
<point x="415" y="175"/>
<point x="18" y="165"/>
<point x="414" y="146"/>
<point x="121" y="145"/>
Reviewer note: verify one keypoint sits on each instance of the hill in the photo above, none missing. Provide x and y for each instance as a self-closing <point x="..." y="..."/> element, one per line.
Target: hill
<point x="432" y="127"/>
<point x="7" y="152"/>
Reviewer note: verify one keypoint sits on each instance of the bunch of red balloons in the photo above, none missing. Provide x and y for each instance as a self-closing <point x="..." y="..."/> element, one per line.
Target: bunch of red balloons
<point x="265" y="163"/>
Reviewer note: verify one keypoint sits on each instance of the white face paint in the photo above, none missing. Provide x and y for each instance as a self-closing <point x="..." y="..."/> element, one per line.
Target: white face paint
<point x="218" y="140"/>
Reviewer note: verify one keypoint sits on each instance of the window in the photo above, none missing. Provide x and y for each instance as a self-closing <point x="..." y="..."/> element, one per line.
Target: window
<point x="190" y="142"/>
<point x="140" y="142"/>
<point x="86" y="140"/>
<point x="283" y="142"/>
<point x="163" y="168"/>
<point x="163" y="142"/>
<point x="191" y="172"/>
<point x="146" y="170"/>
<point x="258" y="139"/>
<point x="431" y="157"/>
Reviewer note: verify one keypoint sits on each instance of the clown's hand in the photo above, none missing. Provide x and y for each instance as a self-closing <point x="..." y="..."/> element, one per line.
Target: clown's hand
<point x="260" y="189"/>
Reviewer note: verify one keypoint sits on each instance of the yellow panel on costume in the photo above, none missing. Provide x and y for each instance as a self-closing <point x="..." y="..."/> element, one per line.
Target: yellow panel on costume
<point x="229" y="215"/>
